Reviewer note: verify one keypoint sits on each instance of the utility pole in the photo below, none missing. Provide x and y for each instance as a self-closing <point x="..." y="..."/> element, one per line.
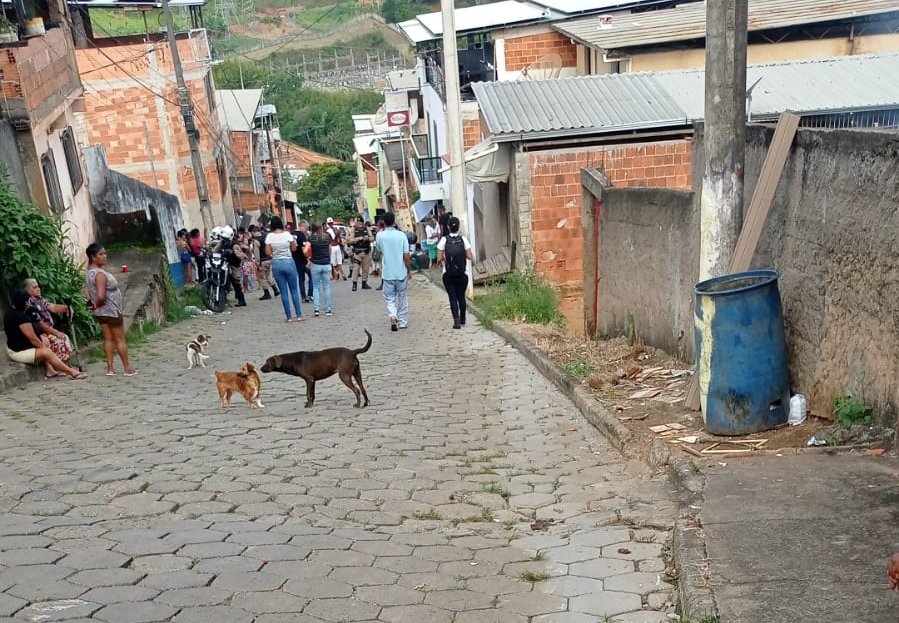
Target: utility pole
<point x="187" y="112"/>
<point x="458" y="198"/>
<point x="721" y="204"/>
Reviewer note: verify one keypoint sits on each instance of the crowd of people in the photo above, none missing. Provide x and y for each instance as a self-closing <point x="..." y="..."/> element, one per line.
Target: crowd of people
<point x="297" y="265"/>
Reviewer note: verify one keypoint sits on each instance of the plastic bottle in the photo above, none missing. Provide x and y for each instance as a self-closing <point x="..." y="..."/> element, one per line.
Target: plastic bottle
<point x="797" y="410"/>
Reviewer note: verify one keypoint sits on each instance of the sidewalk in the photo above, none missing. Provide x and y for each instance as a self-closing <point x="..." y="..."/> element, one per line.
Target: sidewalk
<point x="802" y="538"/>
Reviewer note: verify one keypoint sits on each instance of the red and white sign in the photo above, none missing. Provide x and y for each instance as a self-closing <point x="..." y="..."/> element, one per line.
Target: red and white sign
<point x="398" y="118"/>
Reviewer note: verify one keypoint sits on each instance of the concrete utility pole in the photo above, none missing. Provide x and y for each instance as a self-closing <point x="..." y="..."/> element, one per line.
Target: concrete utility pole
<point x="458" y="192"/>
<point x="187" y="112"/>
<point x="721" y="204"/>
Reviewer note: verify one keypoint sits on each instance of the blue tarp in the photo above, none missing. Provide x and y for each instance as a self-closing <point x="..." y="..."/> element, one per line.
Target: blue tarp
<point x="422" y="208"/>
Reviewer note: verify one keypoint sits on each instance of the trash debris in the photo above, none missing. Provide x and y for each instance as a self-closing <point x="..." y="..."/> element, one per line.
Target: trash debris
<point x="192" y="310"/>
<point x="667" y="428"/>
<point x="875" y="452"/>
<point x="747" y="446"/>
<point x="722" y="463"/>
<point x="623" y="550"/>
<point x="797" y="410"/>
<point x="814" y="441"/>
<point x="689" y="439"/>
<point x="542" y="524"/>
<point x="652" y="392"/>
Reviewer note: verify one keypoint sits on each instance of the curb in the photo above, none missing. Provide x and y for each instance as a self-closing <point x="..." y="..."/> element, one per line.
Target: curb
<point x="18" y="376"/>
<point x="695" y="597"/>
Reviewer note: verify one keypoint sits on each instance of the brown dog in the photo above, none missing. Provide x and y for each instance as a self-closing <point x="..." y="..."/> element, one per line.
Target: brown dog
<point x="314" y="366"/>
<point x="245" y="382"/>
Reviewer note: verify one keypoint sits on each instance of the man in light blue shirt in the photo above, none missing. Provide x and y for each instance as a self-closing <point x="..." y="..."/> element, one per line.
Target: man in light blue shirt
<point x="395" y="266"/>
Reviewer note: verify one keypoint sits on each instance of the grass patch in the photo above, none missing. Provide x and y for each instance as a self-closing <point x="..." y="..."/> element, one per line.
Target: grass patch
<point x="524" y="297"/>
<point x="486" y="515"/>
<point x="538" y="557"/>
<point x="848" y="411"/>
<point x="534" y="576"/>
<point x="579" y="369"/>
<point x="15" y="415"/>
<point x="498" y="490"/>
<point x="430" y="515"/>
<point x="325" y="17"/>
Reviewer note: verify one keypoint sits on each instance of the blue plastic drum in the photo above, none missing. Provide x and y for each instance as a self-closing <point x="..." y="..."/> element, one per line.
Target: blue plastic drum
<point x="744" y="381"/>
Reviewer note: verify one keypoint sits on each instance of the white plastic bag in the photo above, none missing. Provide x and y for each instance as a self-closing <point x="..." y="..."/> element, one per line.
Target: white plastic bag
<point x="797" y="410"/>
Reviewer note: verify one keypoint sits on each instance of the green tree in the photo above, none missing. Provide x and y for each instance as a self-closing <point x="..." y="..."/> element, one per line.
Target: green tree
<point x="33" y="245"/>
<point x="327" y="190"/>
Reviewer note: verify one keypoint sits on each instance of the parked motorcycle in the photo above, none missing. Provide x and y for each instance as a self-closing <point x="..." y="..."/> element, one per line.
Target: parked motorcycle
<point x="216" y="286"/>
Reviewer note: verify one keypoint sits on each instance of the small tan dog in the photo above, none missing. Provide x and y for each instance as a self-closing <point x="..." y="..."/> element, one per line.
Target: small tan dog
<point x="245" y="382"/>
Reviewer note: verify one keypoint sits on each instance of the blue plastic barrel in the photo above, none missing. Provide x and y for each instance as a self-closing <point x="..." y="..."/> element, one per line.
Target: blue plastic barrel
<point x="177" y="270"/>
<point x="744" y="381"/>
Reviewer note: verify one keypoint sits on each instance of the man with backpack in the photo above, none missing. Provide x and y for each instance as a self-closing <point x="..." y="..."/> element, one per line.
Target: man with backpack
<point x="454" y="252"/>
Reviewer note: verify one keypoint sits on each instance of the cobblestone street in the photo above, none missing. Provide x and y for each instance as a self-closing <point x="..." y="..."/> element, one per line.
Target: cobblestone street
<point x="140" y="500"/>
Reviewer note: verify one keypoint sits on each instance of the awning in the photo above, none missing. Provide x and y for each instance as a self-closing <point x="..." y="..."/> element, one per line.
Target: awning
<point x="422" y="208"/>
<point x="488" y="162"/>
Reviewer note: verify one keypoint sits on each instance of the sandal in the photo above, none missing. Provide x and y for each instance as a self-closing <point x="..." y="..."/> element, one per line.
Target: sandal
<point x="111" y="373"/>
<point x="52" y="375"/>
<point x="79" y="377"/>
<point x="132" y="373"/>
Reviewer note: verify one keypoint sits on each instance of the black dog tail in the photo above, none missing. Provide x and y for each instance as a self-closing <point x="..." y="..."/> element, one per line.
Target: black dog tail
<point x="365" y="348"/>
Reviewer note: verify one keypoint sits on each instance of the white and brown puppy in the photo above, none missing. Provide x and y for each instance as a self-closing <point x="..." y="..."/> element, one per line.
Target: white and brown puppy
<point x="196" y="352"/>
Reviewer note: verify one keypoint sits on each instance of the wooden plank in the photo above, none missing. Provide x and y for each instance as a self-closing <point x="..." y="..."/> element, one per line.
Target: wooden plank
<point x="759" y="207"/>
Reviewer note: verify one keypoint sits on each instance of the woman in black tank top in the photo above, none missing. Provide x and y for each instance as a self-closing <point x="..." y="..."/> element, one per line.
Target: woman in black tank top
<point x="320" y="260"/>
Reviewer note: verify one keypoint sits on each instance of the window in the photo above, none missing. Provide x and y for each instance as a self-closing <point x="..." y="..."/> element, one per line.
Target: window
<point x="73" y="163"/>
<point x="54" y="194"/>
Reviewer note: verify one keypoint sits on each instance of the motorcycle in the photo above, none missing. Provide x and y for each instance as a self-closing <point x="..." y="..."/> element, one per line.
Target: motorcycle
<point x="217" y="285"/>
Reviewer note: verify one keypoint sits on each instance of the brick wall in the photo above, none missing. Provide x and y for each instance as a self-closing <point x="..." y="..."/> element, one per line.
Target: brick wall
<point x="557" y="248"/>
<point x="117" y="107"/>
<point x="522" y="51"/>
<point x="471" y="133"/>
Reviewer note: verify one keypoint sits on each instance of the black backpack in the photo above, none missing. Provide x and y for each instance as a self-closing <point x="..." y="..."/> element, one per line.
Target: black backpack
<point x="454" y="256"/>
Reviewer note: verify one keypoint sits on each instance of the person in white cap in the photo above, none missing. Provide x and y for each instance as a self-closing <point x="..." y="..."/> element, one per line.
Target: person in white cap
<point x="336" y="251"/>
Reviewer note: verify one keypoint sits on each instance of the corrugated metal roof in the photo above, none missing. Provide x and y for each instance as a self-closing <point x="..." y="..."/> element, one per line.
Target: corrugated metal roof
<point x="583" y="6"/>
<point x="237" y="108"/>
<point x="484" y="16"/>
<point x="616" y="101"/>
<point x="686" y="22"/>
<point x="415" y="31"/>
<point x="825" y="85"/>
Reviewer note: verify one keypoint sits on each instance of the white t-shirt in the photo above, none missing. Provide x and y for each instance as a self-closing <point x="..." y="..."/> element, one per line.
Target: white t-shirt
<point x="432" y="232"/>
<point x="441" y="246"/>
<point x="280" y="244"/>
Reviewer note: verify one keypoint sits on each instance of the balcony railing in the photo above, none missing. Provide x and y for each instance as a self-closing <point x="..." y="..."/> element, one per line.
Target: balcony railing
<point x="434" y="76"/>
<point x="429" y="170"/>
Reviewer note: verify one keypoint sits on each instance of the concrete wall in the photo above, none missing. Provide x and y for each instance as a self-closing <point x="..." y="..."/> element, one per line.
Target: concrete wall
<point x="832" y="234"/>
<point x="648" y="258"/>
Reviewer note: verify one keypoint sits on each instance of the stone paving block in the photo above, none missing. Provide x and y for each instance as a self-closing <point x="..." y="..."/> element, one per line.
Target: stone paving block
<point x="415" y="614"/>
<point x="213" y="614"/>
<point x="318" y="588"/>
<point x="389" y="595"/>
<point x="341" y="558"/>
<point x="60" y="610"/>
<point x="136" y="612"/>
<point x="197" y="596"/>
<point x="533" y="603"/>
<point x="248" y="581"/>
<point x="602" y="568"/>
<point x="271" y="553"/>
<point x="600" y="537"/>
<point x="269" y="601"/>
<point x="161" y="563"/>
<point x="342" y="610"/>
<point x="95" y="578"/>
<point x="47" y="590"/>
<point x="33" y="541"/>
<point x="633" y="551"/>
<point x="571" y="586"/>
<point x="184" y="578"/>
<point x="571" y="553"/>
<point x="9" y="605"/>
<point x="321" y="541"/>
<point x="363" y="576"/>
<point x="458" y="600"/>
<point x="406" y="564"/>
<point x="637" y="582"/>
<point x="605" y="603"/>
<point x="31" y="556"/>
<point x="117" y="594"/>
<point x="258" y="537"/>
<point x="94" y="559"/>
<point x="443" y="553"/>
<point x="228" y="564"/>
<point x="382" y="548"/>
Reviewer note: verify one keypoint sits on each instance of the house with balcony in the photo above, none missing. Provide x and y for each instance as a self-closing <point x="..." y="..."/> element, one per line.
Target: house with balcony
<point x="42" y="95"/>
<point x="502" y="41"/>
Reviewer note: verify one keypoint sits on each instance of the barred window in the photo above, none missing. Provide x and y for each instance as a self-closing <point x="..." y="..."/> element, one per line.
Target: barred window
<point x="54" y="194"/>
<point x="73" y="163"/>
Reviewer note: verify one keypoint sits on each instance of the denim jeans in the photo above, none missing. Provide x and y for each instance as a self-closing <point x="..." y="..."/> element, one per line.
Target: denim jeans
<point x="321" y="294"/>
<point x="285" y="274"/>
<point x="305" y="276"/>
<point x="396" y="293"/>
